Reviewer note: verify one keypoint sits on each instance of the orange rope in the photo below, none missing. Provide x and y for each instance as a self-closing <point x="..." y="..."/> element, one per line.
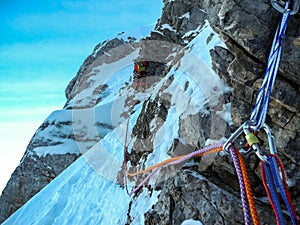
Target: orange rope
<point x="172" y="160"/>
<point x="155" y="166"/>
<point x="248" y="188"/>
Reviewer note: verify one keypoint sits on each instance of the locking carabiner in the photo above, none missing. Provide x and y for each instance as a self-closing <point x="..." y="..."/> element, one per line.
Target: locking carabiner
<point x="253" y="141"/>
<point x="280" y="5"/>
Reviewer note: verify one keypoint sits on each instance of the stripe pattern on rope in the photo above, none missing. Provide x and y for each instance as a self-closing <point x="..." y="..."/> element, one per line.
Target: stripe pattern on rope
<point x="260" y="109"/>
<point x="245" y="186"/>
<point x="246" y="191"/>
<point x="274" y="180"/>
<point x="242" y="186"/>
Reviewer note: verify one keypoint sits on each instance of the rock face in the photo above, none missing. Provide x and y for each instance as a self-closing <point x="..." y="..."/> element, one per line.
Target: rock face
<point x="247" y="29"/>
<point x="205" y="192"/>
<point x="37" y="170"/>
<point x="78" y="83"/>
<point x="30" y="177"/>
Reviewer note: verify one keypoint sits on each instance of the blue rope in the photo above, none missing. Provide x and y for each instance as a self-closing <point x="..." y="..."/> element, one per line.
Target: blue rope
<point x="279" y="184"/>
<point x="273" y="193"/>
<point x="261" y="106"/>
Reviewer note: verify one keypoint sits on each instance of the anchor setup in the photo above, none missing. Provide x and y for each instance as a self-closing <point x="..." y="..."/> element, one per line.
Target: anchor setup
<point x="272" y="171"/>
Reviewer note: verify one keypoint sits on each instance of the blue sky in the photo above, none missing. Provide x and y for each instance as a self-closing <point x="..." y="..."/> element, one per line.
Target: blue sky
<point x="42" y="45"/>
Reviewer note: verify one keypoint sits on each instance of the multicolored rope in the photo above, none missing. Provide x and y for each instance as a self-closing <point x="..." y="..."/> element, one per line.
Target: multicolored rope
<point x="244" y="200"/>
<point x="172" y="161"/>
<point x="271" y="176"/>
<point x="272" y="181"/>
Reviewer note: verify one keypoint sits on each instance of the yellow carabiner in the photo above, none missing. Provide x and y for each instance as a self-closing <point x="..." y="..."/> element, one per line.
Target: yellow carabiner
<point x="253" y="140"/>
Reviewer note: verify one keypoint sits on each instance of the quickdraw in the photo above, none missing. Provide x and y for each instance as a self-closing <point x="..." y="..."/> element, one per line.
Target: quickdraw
<point x="251" y="138"/>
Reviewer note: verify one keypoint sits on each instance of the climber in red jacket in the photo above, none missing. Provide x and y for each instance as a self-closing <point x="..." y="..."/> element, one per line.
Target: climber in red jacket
<point x="140" y="73"/>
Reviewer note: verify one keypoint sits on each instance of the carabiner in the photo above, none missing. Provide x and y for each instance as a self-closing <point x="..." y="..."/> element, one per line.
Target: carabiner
<point x="272" y="144"/>
<point x="280" y="5"/>
<point x="253" y="141"/>
<point x="232" y="138"/>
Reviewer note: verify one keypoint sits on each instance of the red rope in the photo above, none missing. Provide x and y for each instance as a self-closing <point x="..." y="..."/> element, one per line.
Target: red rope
<point x="267" y="190"/>
<point x="285" y="186"/>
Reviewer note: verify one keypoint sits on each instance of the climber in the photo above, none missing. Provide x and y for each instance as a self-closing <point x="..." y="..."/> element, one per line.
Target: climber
<point x="140" y="73"/>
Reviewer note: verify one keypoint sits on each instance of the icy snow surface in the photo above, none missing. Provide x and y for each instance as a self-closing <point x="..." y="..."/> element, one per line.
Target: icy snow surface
<point x="87" y="192"/>
<point x="191" y="222"/>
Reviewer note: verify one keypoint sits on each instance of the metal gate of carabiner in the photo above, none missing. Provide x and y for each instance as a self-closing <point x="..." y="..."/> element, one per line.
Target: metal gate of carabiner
<point x="271" y="141"/>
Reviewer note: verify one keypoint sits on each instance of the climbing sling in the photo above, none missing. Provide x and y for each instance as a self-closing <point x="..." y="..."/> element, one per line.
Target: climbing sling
<point x="273" y="175"/>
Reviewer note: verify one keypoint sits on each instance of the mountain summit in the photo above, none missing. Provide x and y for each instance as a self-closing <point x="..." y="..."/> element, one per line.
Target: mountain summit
<point x="206" y="62"/>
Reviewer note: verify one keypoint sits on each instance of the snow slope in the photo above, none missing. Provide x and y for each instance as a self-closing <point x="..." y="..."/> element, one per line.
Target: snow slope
<point x="87" y="192"/>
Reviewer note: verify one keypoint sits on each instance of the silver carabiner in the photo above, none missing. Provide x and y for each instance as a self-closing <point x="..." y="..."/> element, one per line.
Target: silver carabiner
<point x="279" y="5"/>
<point x="272" y="144"/>
<point x="232" y="138"/>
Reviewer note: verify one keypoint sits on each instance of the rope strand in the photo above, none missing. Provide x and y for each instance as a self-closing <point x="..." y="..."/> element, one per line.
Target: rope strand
<point x="261" y="106"/>
<point x="242" y="186"/>
<point x="172" y="161"/>
<point x="248" y="188"/>
<point x="282" y="186"/>
<point x="271" y="192"/>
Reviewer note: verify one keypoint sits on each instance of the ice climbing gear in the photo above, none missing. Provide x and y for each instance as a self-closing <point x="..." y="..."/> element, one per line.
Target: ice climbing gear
<point x="230" y="141"/>
<point x="252" y="140"/>
<point x="271" y="140"/>
<point x="280" y="6"/>
<point x="259" y="113"/>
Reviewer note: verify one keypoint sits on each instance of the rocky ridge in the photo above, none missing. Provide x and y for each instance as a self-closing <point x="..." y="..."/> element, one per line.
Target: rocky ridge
<point x="247" y="29"/>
